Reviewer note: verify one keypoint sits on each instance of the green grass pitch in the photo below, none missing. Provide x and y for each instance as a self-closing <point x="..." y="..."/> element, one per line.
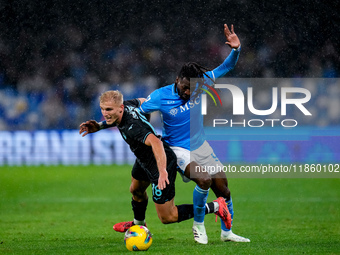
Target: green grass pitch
<point x="71" y="210"/>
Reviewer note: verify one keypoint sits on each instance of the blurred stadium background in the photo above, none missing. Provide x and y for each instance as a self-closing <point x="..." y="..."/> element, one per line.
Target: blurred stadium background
<point x="56" y="57"/>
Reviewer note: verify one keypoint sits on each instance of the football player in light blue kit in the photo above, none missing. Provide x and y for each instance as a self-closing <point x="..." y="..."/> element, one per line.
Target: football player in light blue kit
<point x="175" y="102"/>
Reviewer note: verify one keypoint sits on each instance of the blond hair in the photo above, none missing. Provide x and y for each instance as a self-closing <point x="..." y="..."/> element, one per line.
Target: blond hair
<point x="112" y="95"/>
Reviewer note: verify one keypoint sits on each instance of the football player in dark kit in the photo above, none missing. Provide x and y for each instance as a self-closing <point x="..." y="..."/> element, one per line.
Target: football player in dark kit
<point x="155" y="164"/>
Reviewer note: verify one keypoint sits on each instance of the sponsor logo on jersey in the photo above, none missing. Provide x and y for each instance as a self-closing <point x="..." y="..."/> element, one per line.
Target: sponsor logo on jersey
<point x="173" y="111"/>
<point x="132" y="111"/>
<point x="190" y="104"/>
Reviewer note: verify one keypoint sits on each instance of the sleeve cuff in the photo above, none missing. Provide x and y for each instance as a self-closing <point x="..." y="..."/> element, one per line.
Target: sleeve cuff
<point x="238" y="48"/>
<point x="101" y="125"/>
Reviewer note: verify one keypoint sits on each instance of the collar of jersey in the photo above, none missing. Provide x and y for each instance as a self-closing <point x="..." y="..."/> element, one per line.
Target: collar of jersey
<point x="121" y="124"/>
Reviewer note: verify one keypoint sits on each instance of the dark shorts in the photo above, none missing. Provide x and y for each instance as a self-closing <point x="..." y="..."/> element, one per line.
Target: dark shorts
<point x="150" y="174"/>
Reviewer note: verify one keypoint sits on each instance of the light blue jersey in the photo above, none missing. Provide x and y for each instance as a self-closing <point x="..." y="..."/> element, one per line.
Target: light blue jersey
<point x="176" y="111"/>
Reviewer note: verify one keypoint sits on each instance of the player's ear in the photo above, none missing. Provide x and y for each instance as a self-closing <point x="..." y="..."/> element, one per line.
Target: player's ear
<point x="121" y="108"/>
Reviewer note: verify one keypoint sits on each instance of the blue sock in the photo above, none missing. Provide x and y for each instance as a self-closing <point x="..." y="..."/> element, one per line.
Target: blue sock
<point x="231" y="211"/>
<point x="199" y="199"/>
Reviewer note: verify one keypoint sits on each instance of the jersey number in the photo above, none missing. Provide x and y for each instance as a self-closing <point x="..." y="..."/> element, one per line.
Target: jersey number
<point x="155" y="191"/>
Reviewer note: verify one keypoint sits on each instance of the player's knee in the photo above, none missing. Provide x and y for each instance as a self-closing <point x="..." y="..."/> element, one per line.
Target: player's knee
<point x="133" y="190"/>
<point x="204" y="181"/>
<point x="136" y="192"/>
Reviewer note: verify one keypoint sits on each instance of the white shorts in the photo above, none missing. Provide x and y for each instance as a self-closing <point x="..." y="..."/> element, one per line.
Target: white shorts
<point x="203" y="156"/>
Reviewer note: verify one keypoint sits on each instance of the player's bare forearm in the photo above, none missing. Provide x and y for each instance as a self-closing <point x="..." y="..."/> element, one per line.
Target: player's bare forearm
<point x="159" y="153"/>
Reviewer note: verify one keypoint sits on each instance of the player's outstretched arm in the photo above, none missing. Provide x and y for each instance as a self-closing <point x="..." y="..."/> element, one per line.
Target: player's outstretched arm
<point x="230" y="62"/>
<point x="89" y="126"/>
<point x="158" y="151"/>
<point x="232" y="38"/>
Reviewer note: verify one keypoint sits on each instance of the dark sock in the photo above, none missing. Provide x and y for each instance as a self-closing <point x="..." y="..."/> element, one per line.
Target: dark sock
<point x="139" y="209"/>
<point x="185" y="212"/>
<point x="209" y="207"/>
